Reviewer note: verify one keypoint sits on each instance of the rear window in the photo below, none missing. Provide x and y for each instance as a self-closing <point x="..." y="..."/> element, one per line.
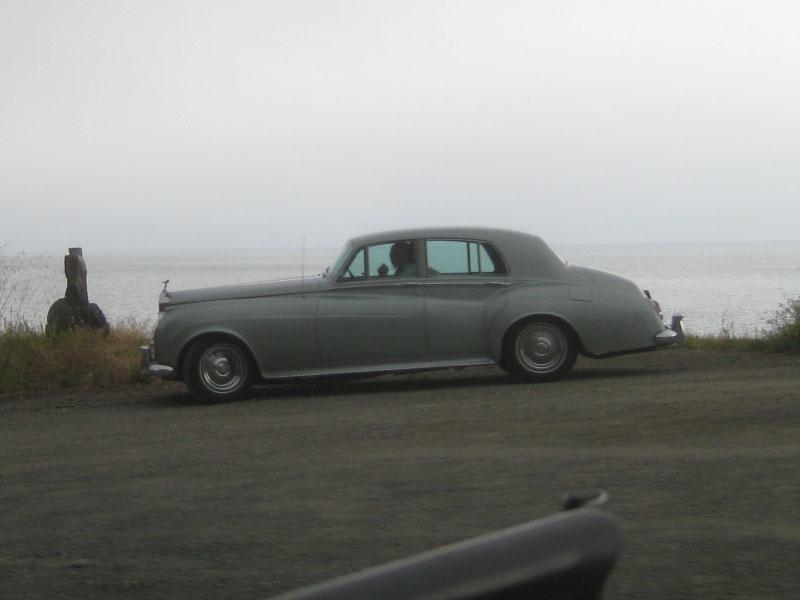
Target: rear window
<point x="461" y="257"/>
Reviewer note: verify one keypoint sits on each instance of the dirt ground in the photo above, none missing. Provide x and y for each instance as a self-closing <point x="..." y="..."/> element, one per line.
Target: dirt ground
<point x="145" y="493"/>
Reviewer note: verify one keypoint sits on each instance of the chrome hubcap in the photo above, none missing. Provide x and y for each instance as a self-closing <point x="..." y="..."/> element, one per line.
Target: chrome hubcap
<point x="223" y="368"/>
<point x="541" y="347"/>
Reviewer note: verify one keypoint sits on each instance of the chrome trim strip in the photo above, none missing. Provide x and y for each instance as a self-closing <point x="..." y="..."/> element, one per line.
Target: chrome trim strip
<point x="423" y="282"/>
<point x="466" y="283"/>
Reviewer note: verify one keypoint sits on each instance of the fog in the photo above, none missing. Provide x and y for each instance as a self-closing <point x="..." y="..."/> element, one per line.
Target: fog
<point x="236" y="124"/>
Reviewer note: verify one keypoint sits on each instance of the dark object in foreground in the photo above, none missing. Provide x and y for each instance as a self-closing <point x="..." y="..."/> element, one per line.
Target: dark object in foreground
<point x="566" y="556"/>
<point x="74" y="311"/>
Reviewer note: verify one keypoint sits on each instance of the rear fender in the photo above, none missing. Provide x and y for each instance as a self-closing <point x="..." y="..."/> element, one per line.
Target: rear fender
<point x="547" y="302"/>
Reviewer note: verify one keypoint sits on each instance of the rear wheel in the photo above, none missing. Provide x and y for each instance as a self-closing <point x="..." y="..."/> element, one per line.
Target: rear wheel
<point x="540" y="351"/>
<point x="218" y="370"/>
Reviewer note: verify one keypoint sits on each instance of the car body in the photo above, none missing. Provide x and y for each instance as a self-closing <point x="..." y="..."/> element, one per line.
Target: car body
<point x="403" y="301"/>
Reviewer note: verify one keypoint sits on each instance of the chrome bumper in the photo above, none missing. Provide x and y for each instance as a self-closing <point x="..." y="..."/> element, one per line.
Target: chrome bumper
<point x="673" y="334"/>
<point x="149" y="367"/>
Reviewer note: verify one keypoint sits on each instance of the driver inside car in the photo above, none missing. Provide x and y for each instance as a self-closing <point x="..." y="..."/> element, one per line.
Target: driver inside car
<point x="402" y="257"/>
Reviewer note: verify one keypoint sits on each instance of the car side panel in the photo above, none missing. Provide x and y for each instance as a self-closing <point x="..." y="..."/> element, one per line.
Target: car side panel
<point x="457" y="312"/>
<point x="616" y="322"/>
<point x="371" y="324"/>
<point x="279" y="331"/>
<point x="605" y="320"/>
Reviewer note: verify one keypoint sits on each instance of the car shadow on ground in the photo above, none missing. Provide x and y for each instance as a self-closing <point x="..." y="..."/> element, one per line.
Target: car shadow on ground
<point x="352" y="386"/>
<point x="412" y="382"/>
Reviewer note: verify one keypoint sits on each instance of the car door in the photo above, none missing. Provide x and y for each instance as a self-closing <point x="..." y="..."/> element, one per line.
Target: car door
<point x="463" y="290"/>
<point x="372" y="317"/>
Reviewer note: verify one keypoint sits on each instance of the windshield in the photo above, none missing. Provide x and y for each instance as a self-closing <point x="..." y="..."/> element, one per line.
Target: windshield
<point x="332" y="271"/>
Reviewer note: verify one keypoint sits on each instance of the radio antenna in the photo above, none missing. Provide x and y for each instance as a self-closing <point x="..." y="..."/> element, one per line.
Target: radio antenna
<point x="303" y="267"/>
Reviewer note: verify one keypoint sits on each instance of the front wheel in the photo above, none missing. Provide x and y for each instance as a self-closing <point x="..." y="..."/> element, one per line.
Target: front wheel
<point x="540" y="351"/>
<point x="218" y="370"/>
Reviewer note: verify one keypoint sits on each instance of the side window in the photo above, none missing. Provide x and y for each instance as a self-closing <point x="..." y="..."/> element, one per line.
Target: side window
<point x="393" y="259"/>
<point x="379" y="256"/>
<point x="357" y="269"/>
<point x="456" y="257"/>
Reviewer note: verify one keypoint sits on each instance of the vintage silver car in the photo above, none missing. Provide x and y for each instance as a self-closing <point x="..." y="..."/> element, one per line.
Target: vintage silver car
<point x="404" y="301"/>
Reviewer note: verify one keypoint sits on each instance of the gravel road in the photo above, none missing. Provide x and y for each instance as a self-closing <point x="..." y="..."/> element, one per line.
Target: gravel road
<point x="145" y="493"/>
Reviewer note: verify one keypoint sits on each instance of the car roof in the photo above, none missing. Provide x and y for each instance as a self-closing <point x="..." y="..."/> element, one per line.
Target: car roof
<point x="471" y="233"/>
<point x="527" y="255"/>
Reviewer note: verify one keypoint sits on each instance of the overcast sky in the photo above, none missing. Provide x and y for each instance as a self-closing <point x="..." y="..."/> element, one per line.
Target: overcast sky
<point x="251" y="124"/>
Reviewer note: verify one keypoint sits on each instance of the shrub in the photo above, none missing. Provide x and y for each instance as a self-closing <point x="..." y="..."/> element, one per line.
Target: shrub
<point x="31" y="360"/>
<point x="786" y="327"/>
<point x="783" y="335"/>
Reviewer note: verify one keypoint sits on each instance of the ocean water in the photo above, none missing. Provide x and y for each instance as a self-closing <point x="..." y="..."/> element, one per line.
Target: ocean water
<point x="737" y="287"/>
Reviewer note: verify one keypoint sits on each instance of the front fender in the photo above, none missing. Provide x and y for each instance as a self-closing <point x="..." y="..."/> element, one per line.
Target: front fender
<point x="278" y="331"/>
<point x="175" y="335"/>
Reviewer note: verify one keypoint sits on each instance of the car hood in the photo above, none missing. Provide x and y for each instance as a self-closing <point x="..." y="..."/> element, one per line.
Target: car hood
<point x="281" y="287"/>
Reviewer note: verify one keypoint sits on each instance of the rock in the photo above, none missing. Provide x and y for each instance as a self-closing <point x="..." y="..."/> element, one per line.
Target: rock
<point x="65" y="314"/>
<point x="74" y="311"/>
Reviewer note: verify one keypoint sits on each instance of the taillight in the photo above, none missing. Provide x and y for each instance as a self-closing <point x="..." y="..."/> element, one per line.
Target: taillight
<point x="656" y="305"/>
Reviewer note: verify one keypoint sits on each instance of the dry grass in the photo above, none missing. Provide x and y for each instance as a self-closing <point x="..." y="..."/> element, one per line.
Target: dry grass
<point x="783" y="335"/>
<point x="30" y="360"/>
<point x="33" y="361"/>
